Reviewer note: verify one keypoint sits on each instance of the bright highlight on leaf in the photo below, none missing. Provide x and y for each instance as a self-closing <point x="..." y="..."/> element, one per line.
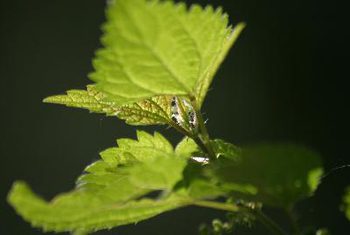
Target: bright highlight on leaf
<point x="153" y="50"/>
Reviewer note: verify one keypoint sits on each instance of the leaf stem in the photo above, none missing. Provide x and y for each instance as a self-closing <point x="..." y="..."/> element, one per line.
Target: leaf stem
<point x="216" y="205"/>
<point x="268" y="223"/>
<point x="271" y="225"/>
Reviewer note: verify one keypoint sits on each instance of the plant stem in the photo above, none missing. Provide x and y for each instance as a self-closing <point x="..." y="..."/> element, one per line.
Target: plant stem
<point x="203" y="135"/>
<point x="293" y="220"/>
<point x="216" y="205"/>
<point x="271" y="225"/>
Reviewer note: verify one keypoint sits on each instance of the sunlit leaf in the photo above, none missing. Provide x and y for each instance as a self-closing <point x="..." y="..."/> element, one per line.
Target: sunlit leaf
<point x="89" y="99"/>
<point x="94" y="213"/>
<point x="154" y="48"/>
<point x="187" y="147"/>
<point x="152" y="111"/>
<point x="109" y="192"/>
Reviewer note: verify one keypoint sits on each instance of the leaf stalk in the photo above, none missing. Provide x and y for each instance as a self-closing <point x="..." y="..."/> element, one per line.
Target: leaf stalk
<point x="271" y="225"/>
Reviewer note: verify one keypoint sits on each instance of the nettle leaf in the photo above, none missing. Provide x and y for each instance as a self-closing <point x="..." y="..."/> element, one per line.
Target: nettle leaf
<point x="187" y="147"/>
<point x="346" y="203"/>
<point x="227" y="150"/>
<point x="160" y="173"/>
<point x="113" y="191"/>
<point x="154" y="48"/>
<point x="197" y="181"/>
<point x="92" y="215"/>
<point x="153" y="111"/>
<point x="90" y="99"/>
<point x="281" y="173"/>
<point x="146" y="147"/>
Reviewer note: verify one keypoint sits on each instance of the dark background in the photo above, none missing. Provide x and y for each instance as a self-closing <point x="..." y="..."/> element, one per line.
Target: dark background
<point x="285" y="80"/>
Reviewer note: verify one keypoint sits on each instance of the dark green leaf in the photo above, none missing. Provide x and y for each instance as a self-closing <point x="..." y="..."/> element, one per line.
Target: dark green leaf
<point x="281" y="173"/>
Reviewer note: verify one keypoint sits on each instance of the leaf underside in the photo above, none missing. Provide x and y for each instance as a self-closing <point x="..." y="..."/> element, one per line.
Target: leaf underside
<point x="152" y="111"/>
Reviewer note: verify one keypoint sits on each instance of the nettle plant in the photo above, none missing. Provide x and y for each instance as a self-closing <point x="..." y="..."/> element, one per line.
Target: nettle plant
<point x="156" y="65"/>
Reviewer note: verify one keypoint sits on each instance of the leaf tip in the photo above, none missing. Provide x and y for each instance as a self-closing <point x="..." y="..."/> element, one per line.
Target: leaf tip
<point x="18" y="188"/>
<point x="47" y="100"/>
<point x="314" y="178"/>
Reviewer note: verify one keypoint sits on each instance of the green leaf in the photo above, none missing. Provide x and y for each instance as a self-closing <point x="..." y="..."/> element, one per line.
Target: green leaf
<point x="113" y="191"/>
<point x="152" y="111"/>
<point x="346" y="203"/>
<point x="282" y="173"/>
<point x="159" y="173"/>
<point x="227" y="150"/>
<point x="90" y="99"/>
<point x="186" y="147"/>
<point x="92" y="215"/>
<point x="149" y="163"/>
<point x="154" y="48"/>
<point x="146" y="147"/>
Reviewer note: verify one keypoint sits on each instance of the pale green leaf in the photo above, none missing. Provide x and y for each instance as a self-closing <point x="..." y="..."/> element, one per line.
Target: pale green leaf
<point x="282" y="173"/>
<point x="90" y="215"/>
<point x="154" y="48"/>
